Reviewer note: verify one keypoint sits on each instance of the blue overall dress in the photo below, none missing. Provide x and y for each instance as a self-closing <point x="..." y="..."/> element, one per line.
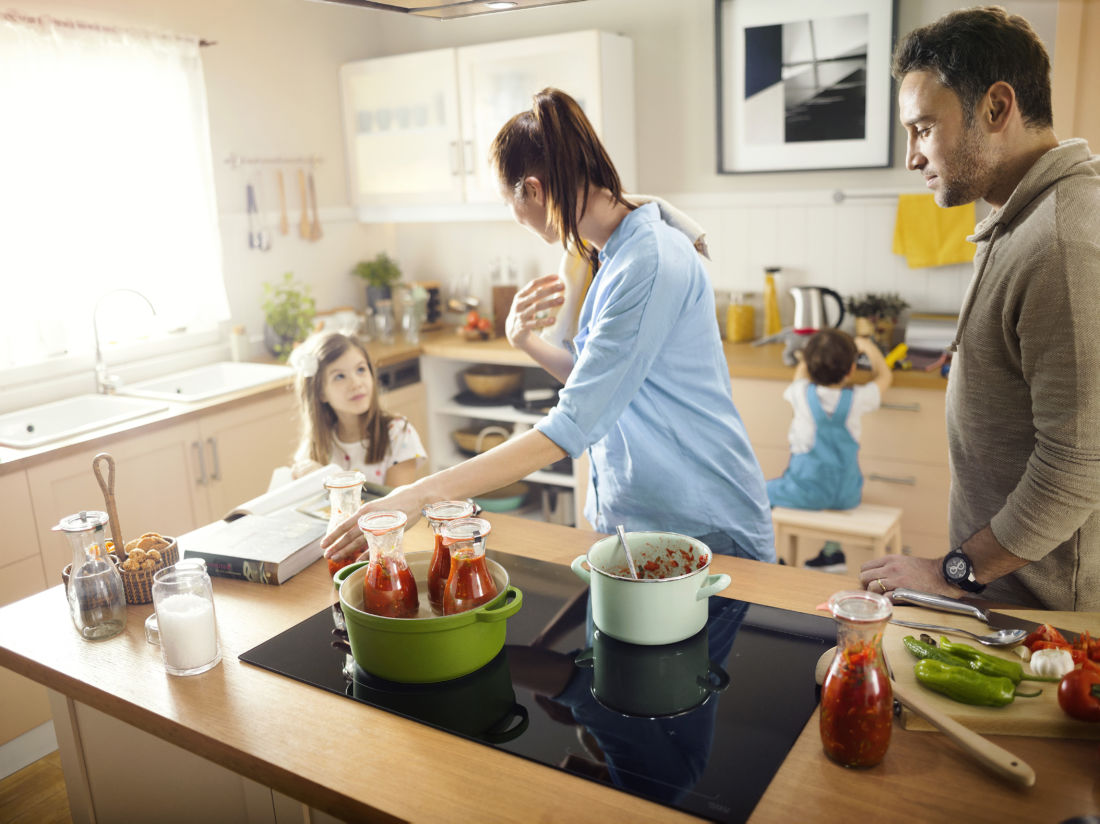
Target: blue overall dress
<point x="828" y="476"/>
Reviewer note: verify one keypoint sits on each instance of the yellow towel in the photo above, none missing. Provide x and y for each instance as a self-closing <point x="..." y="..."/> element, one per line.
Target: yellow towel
<point x="930" y="236"/>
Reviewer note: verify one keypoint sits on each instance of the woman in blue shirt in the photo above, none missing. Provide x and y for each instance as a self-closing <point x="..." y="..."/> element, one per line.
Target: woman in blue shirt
<point x="646" y="386"/>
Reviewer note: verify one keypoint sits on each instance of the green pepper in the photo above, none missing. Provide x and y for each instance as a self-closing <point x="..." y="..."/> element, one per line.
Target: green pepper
<point x="988" y="664"/>
<point x="965" y="685"/>
<point x="920" y="649"/>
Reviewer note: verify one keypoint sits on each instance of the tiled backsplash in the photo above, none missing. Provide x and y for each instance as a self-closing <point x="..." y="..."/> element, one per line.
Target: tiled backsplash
<point x="816" y="240"/>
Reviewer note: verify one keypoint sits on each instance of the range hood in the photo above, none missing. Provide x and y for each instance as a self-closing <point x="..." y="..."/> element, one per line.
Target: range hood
<point x="448" y="9"/>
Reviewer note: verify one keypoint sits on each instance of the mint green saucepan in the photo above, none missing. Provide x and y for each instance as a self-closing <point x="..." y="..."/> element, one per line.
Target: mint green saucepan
<point x="428" y="648"/>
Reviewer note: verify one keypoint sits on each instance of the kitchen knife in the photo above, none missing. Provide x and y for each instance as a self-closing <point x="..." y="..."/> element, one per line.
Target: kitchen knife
<point x="996" y="620"/>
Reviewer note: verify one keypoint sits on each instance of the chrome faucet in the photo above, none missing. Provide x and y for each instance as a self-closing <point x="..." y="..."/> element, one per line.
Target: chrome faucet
<point x="105" y="383"/>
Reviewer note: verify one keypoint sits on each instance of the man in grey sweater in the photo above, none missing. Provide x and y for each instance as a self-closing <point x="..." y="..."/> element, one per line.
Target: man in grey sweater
<point x="1023" y="398"/>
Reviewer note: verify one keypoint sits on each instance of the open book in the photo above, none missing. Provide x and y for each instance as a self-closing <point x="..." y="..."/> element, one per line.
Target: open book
<point x="270" y="538"/>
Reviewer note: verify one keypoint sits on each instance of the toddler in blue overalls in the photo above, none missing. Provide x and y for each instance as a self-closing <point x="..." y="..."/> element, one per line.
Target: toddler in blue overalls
<point x="823" y="472"/>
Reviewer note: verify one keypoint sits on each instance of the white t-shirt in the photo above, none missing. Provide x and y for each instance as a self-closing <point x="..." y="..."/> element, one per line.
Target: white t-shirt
<point x="865" y="398"/>
<point x="404" y="445"/>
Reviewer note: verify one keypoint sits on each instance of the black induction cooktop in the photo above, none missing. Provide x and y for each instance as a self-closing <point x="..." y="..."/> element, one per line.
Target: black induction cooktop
<point x="701" y="726"/>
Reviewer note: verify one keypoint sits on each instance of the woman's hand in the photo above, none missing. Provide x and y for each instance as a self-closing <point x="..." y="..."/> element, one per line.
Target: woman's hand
<point x="534" y="307"/>
<point x="347" y="541"/>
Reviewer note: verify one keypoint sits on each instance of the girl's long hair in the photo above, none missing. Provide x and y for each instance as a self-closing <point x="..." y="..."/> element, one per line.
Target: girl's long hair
<point x="318" y="418"/>
<point x="555" y="142"/>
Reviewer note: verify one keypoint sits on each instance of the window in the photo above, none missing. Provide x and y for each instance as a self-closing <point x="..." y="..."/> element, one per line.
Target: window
<point x="107" y="184"/>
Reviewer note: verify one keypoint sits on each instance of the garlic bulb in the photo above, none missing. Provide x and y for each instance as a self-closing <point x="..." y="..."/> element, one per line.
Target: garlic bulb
<point x="1051" y="663"/>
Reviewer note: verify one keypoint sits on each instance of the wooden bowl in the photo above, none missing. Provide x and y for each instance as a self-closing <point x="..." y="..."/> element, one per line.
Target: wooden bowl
<point x="492" y="380"/>
<point x="477" y="441"/>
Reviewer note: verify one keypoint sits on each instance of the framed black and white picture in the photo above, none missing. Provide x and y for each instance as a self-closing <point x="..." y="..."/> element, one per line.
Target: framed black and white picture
<point x="804" y="84"/>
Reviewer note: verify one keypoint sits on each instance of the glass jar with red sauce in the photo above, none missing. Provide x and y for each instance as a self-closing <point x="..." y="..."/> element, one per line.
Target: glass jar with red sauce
<point x="439" y="514"/>
<point x="389" y="588"/>
<point x="857" y="701"/>
<point x="344" y="498"/>
<point x="469" y="583"/>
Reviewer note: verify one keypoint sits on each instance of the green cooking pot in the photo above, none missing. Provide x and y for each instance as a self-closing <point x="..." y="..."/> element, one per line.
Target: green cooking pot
<point x="428" y="648"/>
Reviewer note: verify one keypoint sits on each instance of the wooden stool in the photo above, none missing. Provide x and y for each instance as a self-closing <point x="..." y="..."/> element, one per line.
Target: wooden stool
<point x="867" y="527"/>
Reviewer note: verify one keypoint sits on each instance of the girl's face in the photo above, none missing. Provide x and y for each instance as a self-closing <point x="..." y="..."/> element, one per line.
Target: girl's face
<point x="347" y="385"/>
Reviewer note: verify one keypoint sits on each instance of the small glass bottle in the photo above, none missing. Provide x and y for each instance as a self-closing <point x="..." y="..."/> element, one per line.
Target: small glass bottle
<point x="344" y="498"/>
<point x="97" y="598"/>
<point x="389" y="588"/>
<point x="469" y="583"/>
<point x="857" y="701"/>
<point x="439" y="514"/>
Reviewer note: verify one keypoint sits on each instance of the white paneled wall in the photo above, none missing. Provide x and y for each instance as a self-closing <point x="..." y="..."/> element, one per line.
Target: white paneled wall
<point x="846" y="246"/>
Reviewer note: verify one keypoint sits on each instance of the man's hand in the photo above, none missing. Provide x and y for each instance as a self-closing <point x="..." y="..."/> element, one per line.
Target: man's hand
<point x="891" y="572"/>
<point x="534" y="307"/>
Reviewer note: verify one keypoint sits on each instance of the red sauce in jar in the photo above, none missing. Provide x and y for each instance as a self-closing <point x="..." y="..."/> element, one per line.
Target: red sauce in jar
<point x="856" y="708"/>
<point x="337" y="564"/>
<point x="389" y="590"/>
<point x="469" y="584"/>
<point x="438" y="571"/>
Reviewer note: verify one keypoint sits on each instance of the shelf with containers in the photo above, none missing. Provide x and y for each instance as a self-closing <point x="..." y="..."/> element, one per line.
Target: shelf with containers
<point x="560" y="487"/>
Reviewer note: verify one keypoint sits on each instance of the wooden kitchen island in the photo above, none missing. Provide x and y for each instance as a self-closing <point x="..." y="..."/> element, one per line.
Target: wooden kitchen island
<point x="220" y="739"/>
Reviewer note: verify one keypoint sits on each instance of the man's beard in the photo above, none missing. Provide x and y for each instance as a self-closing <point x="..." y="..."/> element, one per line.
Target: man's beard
<point x="962" y="179"/>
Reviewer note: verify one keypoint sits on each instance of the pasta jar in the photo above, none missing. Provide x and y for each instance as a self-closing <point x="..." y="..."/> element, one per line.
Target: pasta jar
<point x="438" y="515"/>
<point x="857" y="701"/>
<point x="469" y="583"/>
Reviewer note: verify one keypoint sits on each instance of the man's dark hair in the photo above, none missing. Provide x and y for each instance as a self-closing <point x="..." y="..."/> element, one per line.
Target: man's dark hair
<point x="971" y="49"/>
<point x="829" y="356"/>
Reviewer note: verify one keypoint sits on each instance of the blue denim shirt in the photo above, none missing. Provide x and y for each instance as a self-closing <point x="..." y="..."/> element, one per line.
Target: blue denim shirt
<point x="649" y="397"/>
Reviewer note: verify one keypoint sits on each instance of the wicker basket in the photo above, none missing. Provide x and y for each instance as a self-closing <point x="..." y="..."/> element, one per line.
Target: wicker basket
<point x="139" y="583"/>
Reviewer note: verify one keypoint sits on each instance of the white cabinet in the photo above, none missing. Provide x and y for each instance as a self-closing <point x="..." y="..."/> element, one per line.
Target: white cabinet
<point x="418" y="126"/>
<point x="444" y="383"/>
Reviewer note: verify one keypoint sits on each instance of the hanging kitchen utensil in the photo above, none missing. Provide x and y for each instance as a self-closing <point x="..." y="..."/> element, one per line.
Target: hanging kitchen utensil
<point x="284" y="224"/>
<point x="315" y="229"/>
<point x="107" y="485"/>
<point x="257" y="235"/>
<point x="303" y="224"/>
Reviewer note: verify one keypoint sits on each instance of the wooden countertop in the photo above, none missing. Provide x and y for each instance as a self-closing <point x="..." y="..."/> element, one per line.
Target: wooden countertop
<point x="251" y="721"/>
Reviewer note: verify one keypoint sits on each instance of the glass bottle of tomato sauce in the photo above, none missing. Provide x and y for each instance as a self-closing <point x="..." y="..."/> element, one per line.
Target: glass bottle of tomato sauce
<point x="469" y="583"/>
<point x="389" y="588"/>
<point x="439" y="514"/>
<point x="345" y="491"/>
<point x="857" y="701"/>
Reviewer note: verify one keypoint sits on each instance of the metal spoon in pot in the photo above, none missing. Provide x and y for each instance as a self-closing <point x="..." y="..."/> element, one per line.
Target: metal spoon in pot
<point x="626" y="550"/>
<point x="985" y="752"/>
<point x="1000" y="638"/>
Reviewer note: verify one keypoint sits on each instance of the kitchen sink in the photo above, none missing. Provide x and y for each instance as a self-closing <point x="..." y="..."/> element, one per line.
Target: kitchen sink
<point x="207" y="382"/>
<point x="55" y="421"/>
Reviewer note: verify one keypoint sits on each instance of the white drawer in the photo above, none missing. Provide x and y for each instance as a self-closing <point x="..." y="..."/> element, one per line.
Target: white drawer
<point x="909" y="426"/>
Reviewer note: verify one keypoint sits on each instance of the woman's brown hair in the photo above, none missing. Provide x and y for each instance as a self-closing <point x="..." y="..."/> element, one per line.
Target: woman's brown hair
<point x="318" y="418"/>
<point x="555" y="142"/>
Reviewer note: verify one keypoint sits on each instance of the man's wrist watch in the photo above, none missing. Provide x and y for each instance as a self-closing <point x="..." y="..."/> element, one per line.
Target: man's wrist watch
<point x="959" y="571"/>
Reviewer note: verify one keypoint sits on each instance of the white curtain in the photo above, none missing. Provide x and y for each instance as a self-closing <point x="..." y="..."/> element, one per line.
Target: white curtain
<point x="106" y="182"/>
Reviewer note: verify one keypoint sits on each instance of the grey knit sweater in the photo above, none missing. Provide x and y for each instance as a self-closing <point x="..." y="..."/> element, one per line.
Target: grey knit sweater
<point x="1023" y="399"/>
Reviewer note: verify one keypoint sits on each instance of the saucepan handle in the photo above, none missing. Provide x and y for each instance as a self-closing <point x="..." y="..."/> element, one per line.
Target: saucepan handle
<point x="579" y="570"/>
<point x="513" y="600"/>
<point x="716" y="679"/>
<point x="713" y="584"/>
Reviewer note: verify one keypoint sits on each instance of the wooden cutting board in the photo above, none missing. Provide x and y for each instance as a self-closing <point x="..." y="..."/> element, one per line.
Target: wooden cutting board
<point x="1041" y="717"/>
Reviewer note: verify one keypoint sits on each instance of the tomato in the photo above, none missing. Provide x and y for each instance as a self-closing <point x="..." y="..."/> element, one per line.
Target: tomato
<point x="1079" y="693"/>
<point x="472" y="318"/>
<point x="484" y="325"/>
<point x="1045" y="633"/>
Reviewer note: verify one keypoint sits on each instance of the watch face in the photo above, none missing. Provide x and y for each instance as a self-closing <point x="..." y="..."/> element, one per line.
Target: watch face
<point x="956" y="568"/>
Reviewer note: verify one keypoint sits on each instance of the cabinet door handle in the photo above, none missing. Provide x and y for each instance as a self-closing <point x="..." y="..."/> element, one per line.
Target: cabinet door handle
<point x="468" y="156"/>
<point x="902" y="407"/>
<point x="886" y="479"/>
<point x="216" y="475"/>
<point x="197" y="446"/>
<point x="456" y="159"/>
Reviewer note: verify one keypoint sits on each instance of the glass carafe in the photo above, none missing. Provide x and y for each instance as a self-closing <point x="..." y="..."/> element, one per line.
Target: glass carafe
<point x="389" y="588"/>
<point x="97" y="599"/>
<point x="344" y="498"/>
<point x="469" y="583"/>
<point x="857" y="701"/>
<point x="439" y="514"/>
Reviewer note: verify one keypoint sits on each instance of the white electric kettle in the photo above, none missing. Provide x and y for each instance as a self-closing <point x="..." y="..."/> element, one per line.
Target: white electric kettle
<point x="809" y="308"/>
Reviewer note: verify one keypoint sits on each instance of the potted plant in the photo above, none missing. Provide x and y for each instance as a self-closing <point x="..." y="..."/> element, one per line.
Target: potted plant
<point x="380" y="273"/>
<point x="876" y="315"/>
<point x="288" y="315"/>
